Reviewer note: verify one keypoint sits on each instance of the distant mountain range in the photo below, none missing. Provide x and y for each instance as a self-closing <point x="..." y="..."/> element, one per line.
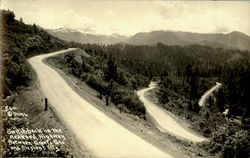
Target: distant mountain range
<point x="234" y="39"/>
<point x="230" y="40"/>
<point x="77" y="36"/>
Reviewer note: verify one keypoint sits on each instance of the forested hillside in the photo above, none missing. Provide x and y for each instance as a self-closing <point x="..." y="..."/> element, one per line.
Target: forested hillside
<point x="20" y="41"/>
<point x="236" y="77"/>
<point x="112" y="81"/>
<point x="188" y="70"/>
<point x="185" y="73"/>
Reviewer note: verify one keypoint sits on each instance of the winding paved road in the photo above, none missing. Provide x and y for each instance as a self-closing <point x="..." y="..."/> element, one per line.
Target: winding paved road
<point x="102" y="135"/>
<point x="164" y="121"/>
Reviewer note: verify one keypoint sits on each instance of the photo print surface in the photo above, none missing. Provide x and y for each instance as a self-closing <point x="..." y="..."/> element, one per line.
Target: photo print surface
<point x="151" y="79"/>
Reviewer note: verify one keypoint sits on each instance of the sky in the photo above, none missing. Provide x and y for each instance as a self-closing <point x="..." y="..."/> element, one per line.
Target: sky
<point x="131" y="17"/>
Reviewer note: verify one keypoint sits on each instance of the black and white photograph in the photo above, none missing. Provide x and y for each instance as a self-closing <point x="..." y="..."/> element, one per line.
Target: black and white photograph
<point x="125" y="79"/>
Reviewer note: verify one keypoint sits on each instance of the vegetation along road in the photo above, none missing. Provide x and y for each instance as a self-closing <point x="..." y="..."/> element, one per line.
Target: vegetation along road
<point x="102" y="135"/>
<point x="164" y="121"/>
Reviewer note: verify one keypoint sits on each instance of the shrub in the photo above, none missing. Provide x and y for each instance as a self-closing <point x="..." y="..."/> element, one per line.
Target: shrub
<point x="230" y="141"/>
<point x="129" y="100"/>
<point x="141" y="81"/>
<point x="96" y="83"/>
<point x="237" y="145"/>
<point x="163" y="96"/>
<point x="86" y="67"/>
<point x="122" y="78"/>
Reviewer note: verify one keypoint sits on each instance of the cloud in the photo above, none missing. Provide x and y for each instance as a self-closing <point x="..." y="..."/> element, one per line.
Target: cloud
<point x="222" y="29"/>
<point x="130" y="17"/>
<point x="71" y="19"/>
<point x="87" y="29"/>
<point x="70" y="14"/>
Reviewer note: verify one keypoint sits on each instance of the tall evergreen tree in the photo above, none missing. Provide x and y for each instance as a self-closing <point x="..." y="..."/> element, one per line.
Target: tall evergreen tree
<point x="112" y="71"/>
<point x="220" y="100"/>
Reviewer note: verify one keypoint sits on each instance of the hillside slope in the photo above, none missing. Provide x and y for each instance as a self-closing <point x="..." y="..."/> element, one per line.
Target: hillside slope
<point x="20" y="91"/>
<point x="20" y="41"/>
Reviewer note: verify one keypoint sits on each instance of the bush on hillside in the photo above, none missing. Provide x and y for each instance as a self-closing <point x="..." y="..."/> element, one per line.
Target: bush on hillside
<point x="230" y="141"/>
<point x="129" y="100"/>
<point x="96" y="83"/>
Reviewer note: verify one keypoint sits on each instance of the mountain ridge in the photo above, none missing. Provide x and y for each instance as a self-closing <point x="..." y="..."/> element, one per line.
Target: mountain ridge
<point x="78" y="36"/>
<point x="232" y="40"/>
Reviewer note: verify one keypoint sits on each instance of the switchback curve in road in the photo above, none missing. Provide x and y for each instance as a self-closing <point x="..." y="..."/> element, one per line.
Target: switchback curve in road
<point x="163" y="120"/>
<point x="102" y="135"/>
<point x="208" y="93"/>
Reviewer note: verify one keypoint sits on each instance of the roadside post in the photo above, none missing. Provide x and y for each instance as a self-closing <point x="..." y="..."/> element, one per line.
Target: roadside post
<point x="46" y="104"/>
<point x="107" y="100"/>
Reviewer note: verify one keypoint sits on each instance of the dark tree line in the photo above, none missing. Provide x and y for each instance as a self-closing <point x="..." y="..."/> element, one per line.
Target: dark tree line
<point x="160" y="59"/>
<point x="236" y="77"/>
